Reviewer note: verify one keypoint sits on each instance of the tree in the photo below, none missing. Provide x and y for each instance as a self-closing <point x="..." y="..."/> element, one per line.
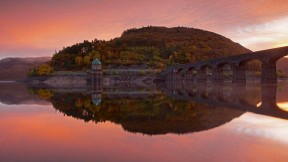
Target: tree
<point x="79" y="60"/>
<point x="45" y="94"/>
<point x="44" y="69"/>
<point x="87" y="60"/>
<point x="94" y="55"/>
<point x="87" y="103"/>
<point x="33" y="72"/>
<point x="79" y="103"/>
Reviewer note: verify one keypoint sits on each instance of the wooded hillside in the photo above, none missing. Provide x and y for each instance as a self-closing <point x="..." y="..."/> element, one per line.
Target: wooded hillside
<point x="156" y="47"/>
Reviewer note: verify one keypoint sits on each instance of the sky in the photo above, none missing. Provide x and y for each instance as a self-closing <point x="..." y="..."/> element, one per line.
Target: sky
<point x="30" y="28"/>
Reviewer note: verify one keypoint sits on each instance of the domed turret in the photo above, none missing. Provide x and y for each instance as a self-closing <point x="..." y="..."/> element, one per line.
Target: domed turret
<point x="96" y="65"/>
<point x="96" y="62"/>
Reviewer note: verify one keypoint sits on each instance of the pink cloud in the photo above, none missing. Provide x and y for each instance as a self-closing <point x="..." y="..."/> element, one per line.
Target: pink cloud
<point x="54" y="24"/>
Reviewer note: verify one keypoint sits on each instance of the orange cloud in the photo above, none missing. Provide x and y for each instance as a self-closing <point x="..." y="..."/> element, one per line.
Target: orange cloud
<point x="50" y="25"/>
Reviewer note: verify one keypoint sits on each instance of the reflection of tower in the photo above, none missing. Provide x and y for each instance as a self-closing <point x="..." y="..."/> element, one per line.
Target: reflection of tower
<point x="96" y="97"/>
<point x="96" y="75"/>
<point x="96" y="82"/>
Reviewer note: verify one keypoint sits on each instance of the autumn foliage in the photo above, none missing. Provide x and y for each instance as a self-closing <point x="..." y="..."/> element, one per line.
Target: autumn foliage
<point x="41" y="70"/>
<point x="157" y="47"/>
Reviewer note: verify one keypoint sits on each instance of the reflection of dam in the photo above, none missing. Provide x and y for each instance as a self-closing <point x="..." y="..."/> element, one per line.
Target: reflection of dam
<point x="233" y="96"/>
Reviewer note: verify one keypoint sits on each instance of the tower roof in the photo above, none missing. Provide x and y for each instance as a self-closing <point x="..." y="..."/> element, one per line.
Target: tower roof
<point x="96" y="101"/>
<point x="96" y="62"/>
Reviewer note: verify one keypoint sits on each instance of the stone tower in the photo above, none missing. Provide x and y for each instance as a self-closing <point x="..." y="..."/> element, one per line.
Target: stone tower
<point x="96" y="75"/>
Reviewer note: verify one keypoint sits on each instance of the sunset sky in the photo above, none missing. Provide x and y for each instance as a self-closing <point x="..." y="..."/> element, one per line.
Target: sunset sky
<point x="41" y="27"/>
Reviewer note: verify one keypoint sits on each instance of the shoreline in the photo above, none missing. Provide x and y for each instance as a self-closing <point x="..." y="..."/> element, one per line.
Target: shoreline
<point x="8" y="81"/>
<point x="68" y="79"/>
<point x="80" y="80"/>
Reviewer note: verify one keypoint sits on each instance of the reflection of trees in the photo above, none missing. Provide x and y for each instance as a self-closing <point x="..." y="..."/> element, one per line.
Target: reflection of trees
<point x="76" y="105"/>
<point x="17" y="94"/>
<point x="156" y="114"/>
<point x="44" y="94"/>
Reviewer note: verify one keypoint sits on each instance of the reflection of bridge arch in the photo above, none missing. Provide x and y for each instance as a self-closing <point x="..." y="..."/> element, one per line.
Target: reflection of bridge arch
<point x="218" y="69"/>
<point x="202" y="71"/>
<point x="190" y="72"/>
<point x="215" y="95"/>
<point x="268" y="59"/>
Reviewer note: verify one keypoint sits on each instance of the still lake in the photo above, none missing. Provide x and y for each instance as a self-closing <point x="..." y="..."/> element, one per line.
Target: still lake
<point x="173" y="122"/>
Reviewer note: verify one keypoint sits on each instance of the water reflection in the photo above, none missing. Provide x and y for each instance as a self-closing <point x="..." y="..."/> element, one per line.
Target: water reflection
<point x="170" y="108"/>
<point x="17" y="94"/>
<point x="257" y="98"/>
<point x="141" y="111"/>
<point x="173" y="109"/>
<point x="283" y="106"/>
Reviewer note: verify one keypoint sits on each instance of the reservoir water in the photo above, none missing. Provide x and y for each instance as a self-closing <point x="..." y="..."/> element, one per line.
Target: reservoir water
<point x="173" y="122"/>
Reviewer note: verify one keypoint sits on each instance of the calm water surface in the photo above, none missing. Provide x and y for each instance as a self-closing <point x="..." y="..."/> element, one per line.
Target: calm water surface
<point x="175" y="122"/>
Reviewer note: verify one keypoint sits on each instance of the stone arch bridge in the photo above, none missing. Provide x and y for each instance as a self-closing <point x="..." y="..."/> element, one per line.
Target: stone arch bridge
<point x="197" y="71"/>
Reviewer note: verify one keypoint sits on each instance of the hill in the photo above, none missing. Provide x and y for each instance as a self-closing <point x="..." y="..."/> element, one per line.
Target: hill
<point x="154" y="46"/>
<point x="17" y="68"/>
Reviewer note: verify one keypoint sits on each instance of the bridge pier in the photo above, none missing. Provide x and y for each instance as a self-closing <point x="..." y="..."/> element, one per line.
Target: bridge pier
<point x="268" y="73"/>
<point x="239" y="75"/>
<point x="169" y="82"/>
<point x="179" y="77"/>
<point x="189" y="76"/>
<point x="168" y="77"/>
<point x="174" y="77"/>
<point x="217" y="75"/>
<point x="238" y="93"/>
<point x="268" y="96"/>
<point x="201" y="90"/>
<point x="216" y="92"/>
<point x="201" y="75"/>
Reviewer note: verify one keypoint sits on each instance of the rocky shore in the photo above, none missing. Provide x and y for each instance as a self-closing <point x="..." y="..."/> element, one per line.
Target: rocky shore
<point x="78" y="80"/>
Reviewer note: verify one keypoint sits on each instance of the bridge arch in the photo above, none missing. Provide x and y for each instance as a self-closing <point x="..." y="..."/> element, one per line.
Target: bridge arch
<point x="205" y="67"/>
<point x="222" y="70"/>
<point x="177" y="74"/>
<point x="222" y="64"/>
<point x="190" y="73"/>
<point x="246" y="67"/>
<point x="203" y="71"/>
<point x="267" y="59"/>
<point x="268" y="68"/>
<point x="190" y="68"/>
<point x="272" y="56"/>
<point x="178" y="70"/>
<point x="243" y="62"/>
